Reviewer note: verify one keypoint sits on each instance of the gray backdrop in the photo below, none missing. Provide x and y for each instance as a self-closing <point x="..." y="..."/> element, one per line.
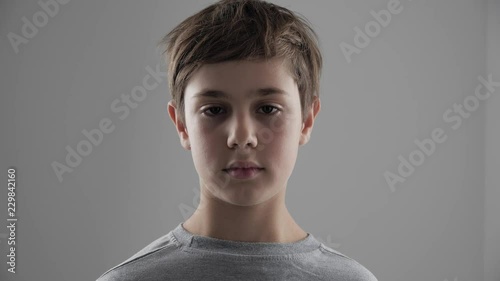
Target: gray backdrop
<point x="65" y="69"/>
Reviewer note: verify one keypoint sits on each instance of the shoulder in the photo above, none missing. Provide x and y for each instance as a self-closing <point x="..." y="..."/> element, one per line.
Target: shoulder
<point x="125" y="269"/>
<point x="340" y="264"/>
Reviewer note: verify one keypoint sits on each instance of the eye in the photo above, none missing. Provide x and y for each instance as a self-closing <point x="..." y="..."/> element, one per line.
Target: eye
<point x="269" y="107"/>
<point x="210" y="109"/>
<point x="214" y="110"/>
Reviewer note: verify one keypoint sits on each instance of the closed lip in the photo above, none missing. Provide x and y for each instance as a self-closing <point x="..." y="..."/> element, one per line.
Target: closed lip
<point x="243" y="165"/>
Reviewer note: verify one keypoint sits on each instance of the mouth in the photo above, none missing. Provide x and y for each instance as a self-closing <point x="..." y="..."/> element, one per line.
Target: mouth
<point x="243" y="165"/>
<point x="243" y="169"/>
<point x="243" y="173"/>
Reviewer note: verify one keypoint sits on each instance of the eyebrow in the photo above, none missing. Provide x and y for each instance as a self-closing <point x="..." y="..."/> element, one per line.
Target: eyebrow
<point x="221" y="94"/>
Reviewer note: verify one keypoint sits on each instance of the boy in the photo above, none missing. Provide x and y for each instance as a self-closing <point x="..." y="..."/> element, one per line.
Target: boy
<point x="244" y="77"/>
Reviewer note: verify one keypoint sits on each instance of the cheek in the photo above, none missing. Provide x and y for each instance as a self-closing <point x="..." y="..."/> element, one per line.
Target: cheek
<point x="280" y="154"/>
<point x="279" y="134"/>
<point x="207" y="147"/>
<point x="283" y="143"/>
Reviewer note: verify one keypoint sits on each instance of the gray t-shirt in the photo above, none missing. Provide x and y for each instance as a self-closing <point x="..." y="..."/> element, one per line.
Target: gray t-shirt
<point x="180" y="255"/>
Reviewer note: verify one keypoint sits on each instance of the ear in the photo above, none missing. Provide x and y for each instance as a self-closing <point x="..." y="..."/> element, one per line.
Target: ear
<point x="181" y="129"/>
<point x="308" y="124"/>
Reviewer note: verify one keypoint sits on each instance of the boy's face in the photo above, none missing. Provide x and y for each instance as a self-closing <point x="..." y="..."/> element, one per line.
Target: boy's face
<point x="247" y="126"/>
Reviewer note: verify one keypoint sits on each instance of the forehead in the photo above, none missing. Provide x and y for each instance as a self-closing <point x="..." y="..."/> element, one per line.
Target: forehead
<point x="245" y="78"/>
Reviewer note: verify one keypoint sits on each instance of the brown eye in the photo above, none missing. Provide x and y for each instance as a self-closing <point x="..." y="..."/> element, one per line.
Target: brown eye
<point x="212" y="111"/>
<point x="215" y="110"/>
<point x="268" y="109"/>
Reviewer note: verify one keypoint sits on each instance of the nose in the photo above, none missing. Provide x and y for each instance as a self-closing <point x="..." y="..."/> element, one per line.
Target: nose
<point x="242" y="132"/>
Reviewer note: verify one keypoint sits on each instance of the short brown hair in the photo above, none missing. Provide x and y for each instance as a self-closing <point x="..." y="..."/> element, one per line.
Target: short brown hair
<point x="243" y="30"/>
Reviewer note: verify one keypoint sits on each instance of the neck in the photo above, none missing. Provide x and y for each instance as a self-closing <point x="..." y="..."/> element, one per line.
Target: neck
<point x="269" y="221"/>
